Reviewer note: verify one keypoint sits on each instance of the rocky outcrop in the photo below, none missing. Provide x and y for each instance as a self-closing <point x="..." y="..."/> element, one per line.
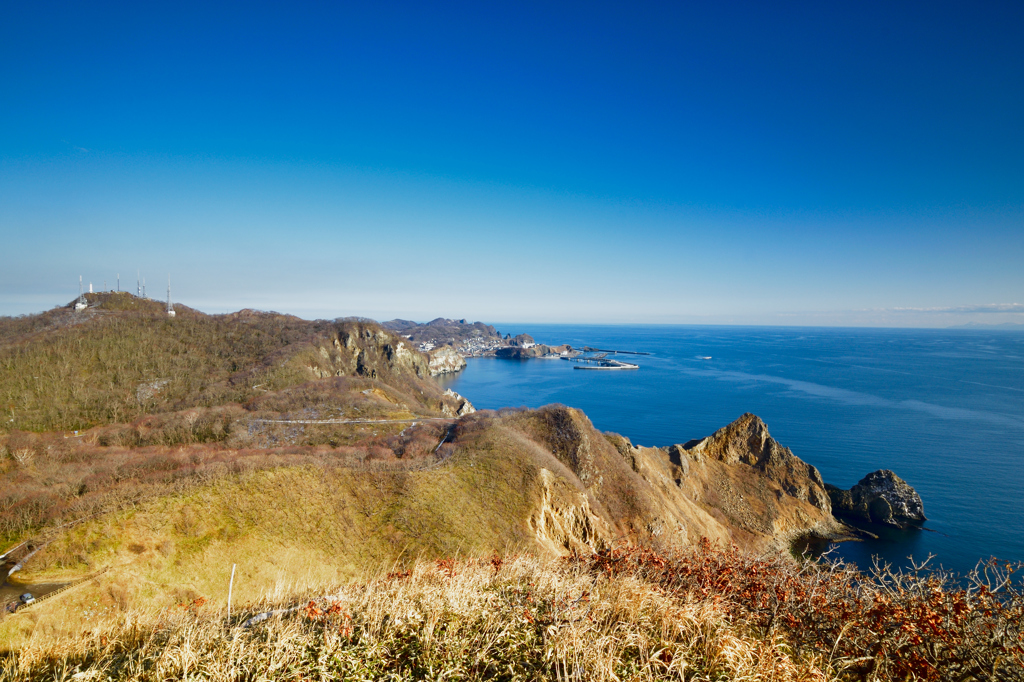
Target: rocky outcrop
<point x="522" y="341"/>
<point x="737" y="486"/>
<point x="461" y="405"/>
<point x="537" y="351"/>
<point x="357" y="348"/>
<point x="445" y="360"/>
<point x="881" y="497"/>
<point x="747" y="441"/>
<point x="563" y="521"/>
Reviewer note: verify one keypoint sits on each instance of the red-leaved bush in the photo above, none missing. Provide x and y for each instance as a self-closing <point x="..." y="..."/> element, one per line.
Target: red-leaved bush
<point x="887" y="624"/>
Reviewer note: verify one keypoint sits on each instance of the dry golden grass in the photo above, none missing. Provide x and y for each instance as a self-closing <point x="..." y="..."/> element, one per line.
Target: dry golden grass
<point x="306" y="521"/>
<point x="518" y="619"/>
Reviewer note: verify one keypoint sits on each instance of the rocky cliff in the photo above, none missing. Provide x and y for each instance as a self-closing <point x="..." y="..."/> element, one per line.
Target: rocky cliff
<point x="881" y="497"/>
<point x="462" y="406"/>
<point x="521" y="340"/>
<point x="747" y="441"/>
<point x="445" y="360"/>
<point x="364" y="349"/>
<point x="736" y="486"/>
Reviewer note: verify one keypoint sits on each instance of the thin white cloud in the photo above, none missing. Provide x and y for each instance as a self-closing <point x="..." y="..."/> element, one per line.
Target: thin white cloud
<point x="982" y="308"/>
<point x="76" y="147"/>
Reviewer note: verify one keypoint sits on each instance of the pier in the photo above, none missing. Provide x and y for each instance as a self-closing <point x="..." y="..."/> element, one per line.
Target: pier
<point x="601" y="361"/>
<point x="588" y="349"/>
<point x="588" y="357"/>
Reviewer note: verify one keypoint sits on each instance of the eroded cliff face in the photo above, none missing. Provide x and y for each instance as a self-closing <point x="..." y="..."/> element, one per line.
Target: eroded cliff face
<point x="364" y="349"/>
<point x="462" y="406"/>
<point x="535" y="351"/>
<point x="736" y="486"/>
<point x="563" y="521"/>
<point x="747" y="441"/>
<point x="445" y="360"/>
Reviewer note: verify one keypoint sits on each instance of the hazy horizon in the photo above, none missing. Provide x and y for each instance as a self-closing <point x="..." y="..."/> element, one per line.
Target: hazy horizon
<point x="683" y="164"/>
<point x="524" y="325"/>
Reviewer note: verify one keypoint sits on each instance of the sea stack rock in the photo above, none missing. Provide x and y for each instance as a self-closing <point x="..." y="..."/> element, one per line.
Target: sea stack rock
<point x="881" y="497"/>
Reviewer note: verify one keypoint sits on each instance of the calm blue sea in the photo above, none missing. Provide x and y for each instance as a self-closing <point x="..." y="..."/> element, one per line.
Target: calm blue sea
<point x="944" y="409"/>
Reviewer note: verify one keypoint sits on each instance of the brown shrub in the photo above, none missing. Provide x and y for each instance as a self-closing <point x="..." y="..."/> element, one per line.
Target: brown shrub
<point x="888" y="624"/>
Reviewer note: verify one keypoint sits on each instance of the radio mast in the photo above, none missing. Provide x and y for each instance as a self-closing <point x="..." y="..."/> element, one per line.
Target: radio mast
<point x="81" y="303"/>
<point x="170" y="308"/>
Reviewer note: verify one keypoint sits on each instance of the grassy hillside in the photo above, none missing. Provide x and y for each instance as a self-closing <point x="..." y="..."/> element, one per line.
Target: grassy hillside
<point x="125" y="358"/>
<point x="301" y="516"/>
<point x="172" y="520"/>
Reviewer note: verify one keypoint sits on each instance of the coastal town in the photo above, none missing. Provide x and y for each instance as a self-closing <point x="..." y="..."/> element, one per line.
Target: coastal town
<point x="449" y="342"/>
<point x="472" y="340"/>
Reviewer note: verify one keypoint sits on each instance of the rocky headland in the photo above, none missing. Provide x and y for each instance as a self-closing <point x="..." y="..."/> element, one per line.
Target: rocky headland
<point x="539" y="350"/>
<point x="738" y="485"/>
<point x="881" y="498"/>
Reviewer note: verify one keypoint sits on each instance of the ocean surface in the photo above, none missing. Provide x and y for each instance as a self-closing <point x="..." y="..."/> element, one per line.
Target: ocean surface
<point x="944" y="409"/>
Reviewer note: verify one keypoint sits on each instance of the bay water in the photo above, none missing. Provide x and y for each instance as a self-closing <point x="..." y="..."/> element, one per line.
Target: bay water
<point x="944" y="409"/>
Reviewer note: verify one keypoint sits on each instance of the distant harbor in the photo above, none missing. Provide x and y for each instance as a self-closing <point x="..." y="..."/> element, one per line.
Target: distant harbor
<point x="604" y="364"/>
<point x="601" y="361"/>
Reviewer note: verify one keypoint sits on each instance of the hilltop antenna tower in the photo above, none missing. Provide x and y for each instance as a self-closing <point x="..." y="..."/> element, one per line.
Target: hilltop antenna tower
<point x="119" y="282"/>
<point x="138" y="285"/>
<point x="144" y="288"/>
<point x="81" y="303"/>
<point x="170" y="308"/>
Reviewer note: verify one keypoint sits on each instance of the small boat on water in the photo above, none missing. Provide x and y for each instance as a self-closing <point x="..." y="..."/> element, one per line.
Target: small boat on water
<point x="703" y="357"/>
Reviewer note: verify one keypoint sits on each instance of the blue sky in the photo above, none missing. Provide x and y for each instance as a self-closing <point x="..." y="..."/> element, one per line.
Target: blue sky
<point x="750" y="163"/>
